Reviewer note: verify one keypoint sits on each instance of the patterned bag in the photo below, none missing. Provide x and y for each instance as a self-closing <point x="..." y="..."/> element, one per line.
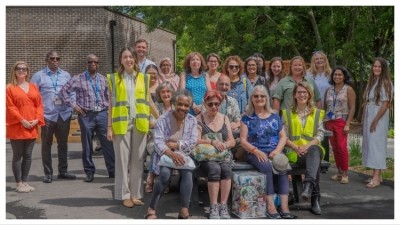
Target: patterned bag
<point x="207" y="152"/>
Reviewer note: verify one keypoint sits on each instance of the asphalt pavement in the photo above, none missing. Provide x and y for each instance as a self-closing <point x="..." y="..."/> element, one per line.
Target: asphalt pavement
<point x="76" y="199"/>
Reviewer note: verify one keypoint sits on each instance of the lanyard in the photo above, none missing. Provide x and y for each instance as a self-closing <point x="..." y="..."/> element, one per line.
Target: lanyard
<point x="52" y="80"/>
<point x="95" y="87"/>
<point x="141" y="67"/>
<point x="334" y="97"/>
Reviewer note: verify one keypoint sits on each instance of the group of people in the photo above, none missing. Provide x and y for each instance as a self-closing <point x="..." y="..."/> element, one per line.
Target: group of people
<point x="267" y="113"/>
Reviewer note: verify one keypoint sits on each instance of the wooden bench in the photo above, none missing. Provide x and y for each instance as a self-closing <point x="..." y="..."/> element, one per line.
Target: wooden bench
<point x="296" y="172"/>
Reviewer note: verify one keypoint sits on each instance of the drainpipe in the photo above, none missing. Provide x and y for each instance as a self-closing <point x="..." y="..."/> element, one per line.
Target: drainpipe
<point x="112" y="24"/>
<point x="174" y="52"/>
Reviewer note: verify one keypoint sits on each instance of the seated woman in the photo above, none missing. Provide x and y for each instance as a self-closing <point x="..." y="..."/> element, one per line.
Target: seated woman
<point x="263" y="137"/>
<point x="304" y="126"/>
<point x="164" y="93"/>
<point x="174" y="131"/>
<point x="215" y="129"/>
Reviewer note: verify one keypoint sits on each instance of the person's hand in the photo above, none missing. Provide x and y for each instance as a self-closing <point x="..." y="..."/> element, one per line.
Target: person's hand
<point x="33" y="123"/>
<point x="261" y="156"/>
<point x="79" y="110"/>
<point x="273" y="154"/>
<point x="172" y="145"/>
<point x="110" y="134"/>
<point x="218" y="145"/>
<point x="346" y="129"/>
<point x="372" y="129"/>
<point x="178" y="159"/>
<point x="26" y="124"/>
<point x="302" y="150"/>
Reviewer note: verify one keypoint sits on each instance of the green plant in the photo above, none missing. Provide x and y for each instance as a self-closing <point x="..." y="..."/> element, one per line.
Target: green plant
<point x="355" y="151"/>
<point x="388" y="173"/>
<point x="391" y="133"/>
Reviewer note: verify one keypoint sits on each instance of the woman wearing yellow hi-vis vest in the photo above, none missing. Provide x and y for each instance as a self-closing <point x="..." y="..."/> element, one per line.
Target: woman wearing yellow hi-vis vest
<point x="128" y="124"/>
<point x="304" y="127"/>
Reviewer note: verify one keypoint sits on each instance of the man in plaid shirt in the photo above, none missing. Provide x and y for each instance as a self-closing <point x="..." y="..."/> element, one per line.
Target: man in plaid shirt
<point x="91" y="104"/>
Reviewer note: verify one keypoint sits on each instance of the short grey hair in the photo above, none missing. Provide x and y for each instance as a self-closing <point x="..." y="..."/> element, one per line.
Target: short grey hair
<point x="165" y="84"/>
<point x="183" y="92"/>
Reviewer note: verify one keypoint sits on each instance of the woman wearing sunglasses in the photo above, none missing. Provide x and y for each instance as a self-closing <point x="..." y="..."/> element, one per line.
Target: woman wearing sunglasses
<point x="240" y="85"/>
<point x="263" y="137"/>
<point x="24" y="114"/>
<point x="215" y="129"/>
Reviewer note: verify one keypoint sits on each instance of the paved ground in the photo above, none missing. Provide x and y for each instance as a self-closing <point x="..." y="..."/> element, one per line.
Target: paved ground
<point x="76" y="199"/>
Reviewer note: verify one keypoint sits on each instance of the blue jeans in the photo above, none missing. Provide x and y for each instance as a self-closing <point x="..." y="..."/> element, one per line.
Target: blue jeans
<point x="275" y="183"/>
<point x="161" y="181"/>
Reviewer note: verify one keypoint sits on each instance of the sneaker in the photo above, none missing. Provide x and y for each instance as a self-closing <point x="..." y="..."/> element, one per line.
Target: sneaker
<point x="22" y="189"/>
<point x="214" y="212"/>
<point x="223" y="212"/>
<point x="29" y="186"/>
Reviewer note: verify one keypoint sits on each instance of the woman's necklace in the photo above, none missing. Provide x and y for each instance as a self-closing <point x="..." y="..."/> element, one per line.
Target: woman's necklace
<point x="24" y="86"/>
<point x="212" y="120"/>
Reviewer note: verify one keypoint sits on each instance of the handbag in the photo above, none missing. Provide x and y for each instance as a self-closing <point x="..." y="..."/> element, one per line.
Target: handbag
<point x="167" y="162"/>
<point x="207" y="152"/>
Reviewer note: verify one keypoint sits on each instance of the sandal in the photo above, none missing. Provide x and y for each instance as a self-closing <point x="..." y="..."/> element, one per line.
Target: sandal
<point x="371" y="184"/>
<point x="137" y="202"/>
<point x="150" y="216"/>
<point x="370" y="179"/>
<point x="336" y="177"/>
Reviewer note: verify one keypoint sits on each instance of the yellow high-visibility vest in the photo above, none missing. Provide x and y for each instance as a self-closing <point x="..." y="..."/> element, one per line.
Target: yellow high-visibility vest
<point x="297" y="134"/>
<point x="120" y="105"/>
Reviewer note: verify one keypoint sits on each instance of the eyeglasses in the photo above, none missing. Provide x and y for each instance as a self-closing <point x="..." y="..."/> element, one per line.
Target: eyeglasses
<point x="211" y="104"/>
<point x="251" y="65"/>
<point x="302" y="92"/>
<point x="21" y="69"/>
<point x="212" y="61"/>
<point x="55" y="58"/>
<point x="233" y="67"/>
<point x="165" y="65"/>
<point x="259" y="96"/>
<point x="91" y="62"/>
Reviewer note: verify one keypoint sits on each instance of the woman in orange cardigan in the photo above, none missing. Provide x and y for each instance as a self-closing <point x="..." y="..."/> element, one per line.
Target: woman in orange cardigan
<point x="24" y="113"/>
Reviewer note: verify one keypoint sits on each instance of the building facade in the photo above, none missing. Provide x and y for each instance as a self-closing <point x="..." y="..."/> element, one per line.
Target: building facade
<point x="75" y="32"/>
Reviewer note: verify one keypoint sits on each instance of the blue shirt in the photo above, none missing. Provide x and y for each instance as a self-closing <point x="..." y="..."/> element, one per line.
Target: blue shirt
<point x="144" y="64"/>
<point x="241" y="92"/>
<point x="263" y="133"/>
<point x="49" y="85"/>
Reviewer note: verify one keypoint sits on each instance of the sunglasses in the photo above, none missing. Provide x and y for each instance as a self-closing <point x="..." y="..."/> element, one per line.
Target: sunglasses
<point x="233" y="67"/>
<point x="211" y="104"/>
<point x="55" y="58"/>
<point x="21" y="69"/>
<point x="259" y="96"/>
<point x="91" y="62"/>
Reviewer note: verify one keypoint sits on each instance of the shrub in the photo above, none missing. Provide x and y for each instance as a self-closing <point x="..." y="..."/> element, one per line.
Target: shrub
<point x="391" y="133"/>
<point x="355" y="151"/>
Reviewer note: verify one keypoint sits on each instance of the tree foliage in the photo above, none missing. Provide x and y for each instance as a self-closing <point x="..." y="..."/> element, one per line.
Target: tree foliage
<point x="351" y="36"/>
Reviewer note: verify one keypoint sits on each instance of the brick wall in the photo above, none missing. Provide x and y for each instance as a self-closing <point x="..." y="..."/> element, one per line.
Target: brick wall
<point x="76" y="32"/>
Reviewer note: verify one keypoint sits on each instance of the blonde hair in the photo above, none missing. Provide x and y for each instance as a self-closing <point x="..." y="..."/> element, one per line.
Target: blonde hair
<point x="327" y="67"/>
<point x="13" y="73"/>
<point x="302" y="61"/>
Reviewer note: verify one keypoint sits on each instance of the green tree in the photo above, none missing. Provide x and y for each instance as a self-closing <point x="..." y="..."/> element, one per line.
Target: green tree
<point x="351" y="36"/>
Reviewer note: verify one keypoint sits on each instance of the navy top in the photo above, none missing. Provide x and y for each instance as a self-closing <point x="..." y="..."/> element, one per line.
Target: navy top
<point x="263" y="133"/>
